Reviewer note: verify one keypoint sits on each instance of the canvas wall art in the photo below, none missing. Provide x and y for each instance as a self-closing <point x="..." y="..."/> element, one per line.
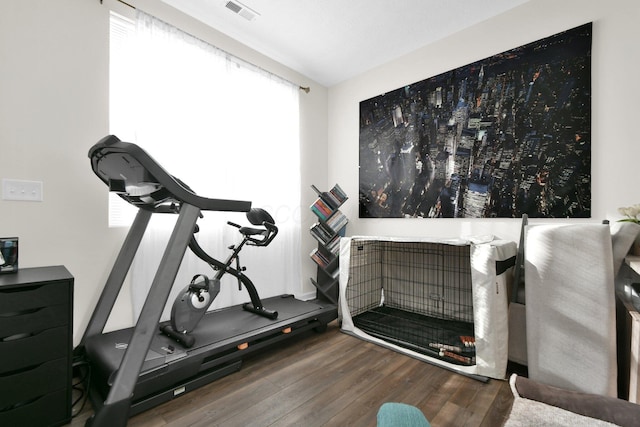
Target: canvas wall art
<point x="501" y="137"/>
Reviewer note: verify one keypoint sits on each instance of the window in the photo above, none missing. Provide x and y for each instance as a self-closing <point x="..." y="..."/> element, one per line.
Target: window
<point x="122" y="33"/>
<point x="226" y="128"/>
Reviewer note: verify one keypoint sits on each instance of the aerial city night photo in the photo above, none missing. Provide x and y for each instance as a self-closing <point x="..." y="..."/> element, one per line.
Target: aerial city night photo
<point x="501" y="137"/>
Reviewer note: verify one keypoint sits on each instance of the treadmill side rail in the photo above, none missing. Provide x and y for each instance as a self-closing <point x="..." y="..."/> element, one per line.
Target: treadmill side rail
<point x="118" y="402"/>
<point x="117" y="276"/>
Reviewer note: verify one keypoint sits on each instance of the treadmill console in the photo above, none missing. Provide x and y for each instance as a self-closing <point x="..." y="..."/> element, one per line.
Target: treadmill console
<point x="138" y="179"/>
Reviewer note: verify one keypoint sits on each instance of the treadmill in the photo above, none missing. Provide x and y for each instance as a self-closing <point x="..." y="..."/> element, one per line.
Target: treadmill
<point x="135" y="369"/>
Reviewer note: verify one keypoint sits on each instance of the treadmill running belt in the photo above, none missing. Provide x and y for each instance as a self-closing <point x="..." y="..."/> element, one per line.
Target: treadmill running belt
<point x="218" y="337"/>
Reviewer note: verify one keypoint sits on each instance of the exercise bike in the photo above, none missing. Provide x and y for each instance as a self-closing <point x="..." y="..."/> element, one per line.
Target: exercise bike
<point x="194" y="300"/>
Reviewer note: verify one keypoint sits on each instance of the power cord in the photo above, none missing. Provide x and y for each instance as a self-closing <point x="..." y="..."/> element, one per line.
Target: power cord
<point x="81" y="372"/>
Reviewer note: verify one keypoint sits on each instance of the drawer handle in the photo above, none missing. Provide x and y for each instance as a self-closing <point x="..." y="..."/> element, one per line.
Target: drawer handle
<point x="21" y="312"/>
<point x="18" y="290"/>
<point x="16" y="337"/>
<point x="19" y="404"/>
<point x="20" y="371"/>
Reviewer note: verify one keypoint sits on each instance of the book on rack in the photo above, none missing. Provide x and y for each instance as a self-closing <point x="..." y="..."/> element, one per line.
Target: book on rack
<point x="323" y="206"/>
<point x="321" y="209"/>
<point x="338" y="193"/>
<point x="334" y="198"/>
<point x="322" y="232"/>
<point x="321" y="259"/>
<point x="334" y="245"/>
<point x="318" y="212"/>
<point x="337" y="221"/>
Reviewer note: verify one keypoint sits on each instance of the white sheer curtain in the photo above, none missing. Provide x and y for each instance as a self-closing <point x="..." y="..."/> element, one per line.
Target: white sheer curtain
<point x="228" y="130"/>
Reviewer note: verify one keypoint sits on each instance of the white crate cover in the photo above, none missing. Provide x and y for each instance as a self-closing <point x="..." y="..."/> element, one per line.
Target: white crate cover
<point x="459" y="284"/>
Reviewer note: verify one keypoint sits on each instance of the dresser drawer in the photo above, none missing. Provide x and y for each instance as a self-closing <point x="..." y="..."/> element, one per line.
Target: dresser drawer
<point x="19" y="299"/>
<point x="24" y="351"/>
<point x="47" y="410"/>
<point x="31" y="321"/>
<point x="24" y="385"/>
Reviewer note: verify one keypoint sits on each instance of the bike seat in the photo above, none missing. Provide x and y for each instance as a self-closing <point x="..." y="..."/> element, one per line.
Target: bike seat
<point x="258" y="216"/>
<point x="249" y="231"/>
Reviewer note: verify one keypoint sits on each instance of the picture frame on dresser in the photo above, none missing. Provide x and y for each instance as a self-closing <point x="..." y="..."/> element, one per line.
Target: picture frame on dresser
<point x="8" y="255"/>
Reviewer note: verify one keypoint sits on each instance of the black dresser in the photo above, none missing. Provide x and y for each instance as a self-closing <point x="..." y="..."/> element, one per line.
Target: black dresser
<point x="36" y="341"/>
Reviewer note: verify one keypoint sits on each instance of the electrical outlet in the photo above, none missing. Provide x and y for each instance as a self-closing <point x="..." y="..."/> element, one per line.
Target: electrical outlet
<point x="17" y="189"/>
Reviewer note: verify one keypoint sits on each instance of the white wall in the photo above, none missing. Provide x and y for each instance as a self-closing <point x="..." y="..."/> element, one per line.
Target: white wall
<point x="616" y="90"/>
<point x="54" y="107"/>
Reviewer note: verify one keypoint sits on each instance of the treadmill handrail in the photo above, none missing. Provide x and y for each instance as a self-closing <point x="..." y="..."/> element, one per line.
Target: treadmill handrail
<point x="177" y="191"/>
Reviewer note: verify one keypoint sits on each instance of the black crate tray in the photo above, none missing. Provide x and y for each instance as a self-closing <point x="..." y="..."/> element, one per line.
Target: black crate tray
<point x="423" y="334"/>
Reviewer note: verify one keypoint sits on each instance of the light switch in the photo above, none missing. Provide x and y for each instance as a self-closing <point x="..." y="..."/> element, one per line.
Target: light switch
<point x="17" y="189"/>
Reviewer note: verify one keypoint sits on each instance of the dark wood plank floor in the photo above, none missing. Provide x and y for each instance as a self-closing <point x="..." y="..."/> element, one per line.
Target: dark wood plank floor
<point x="330" y="379"/>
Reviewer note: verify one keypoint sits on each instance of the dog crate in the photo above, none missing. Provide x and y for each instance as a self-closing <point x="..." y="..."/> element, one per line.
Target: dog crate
<point x="441" y="301"/>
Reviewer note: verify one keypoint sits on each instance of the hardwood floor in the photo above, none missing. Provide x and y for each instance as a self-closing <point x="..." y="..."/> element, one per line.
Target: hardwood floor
<point x="330" y="379"/>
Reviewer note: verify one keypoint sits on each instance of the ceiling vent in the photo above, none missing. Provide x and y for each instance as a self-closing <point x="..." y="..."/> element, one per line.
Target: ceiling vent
<point x="242" y="10"/>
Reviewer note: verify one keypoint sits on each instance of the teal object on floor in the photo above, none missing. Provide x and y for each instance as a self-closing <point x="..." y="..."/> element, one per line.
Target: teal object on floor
<point x="393" y="414"/>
